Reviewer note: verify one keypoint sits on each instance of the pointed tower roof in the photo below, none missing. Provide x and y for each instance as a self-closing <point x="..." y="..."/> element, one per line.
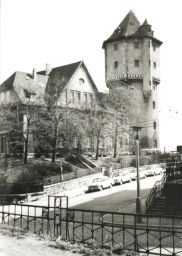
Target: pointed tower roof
<point x="127" y="27"/>
<point x="145" y="23"/>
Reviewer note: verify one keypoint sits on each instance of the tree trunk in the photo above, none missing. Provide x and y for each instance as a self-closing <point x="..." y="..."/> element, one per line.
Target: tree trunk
<point x="55" y="144"/>
<point x="26" y="150"/>
<point x="97" y="148"/>
<point x="115" y="142"/>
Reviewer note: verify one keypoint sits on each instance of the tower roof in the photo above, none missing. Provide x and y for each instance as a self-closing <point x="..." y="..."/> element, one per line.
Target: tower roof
<point x="130" y="27"/>
<point x="127" y="27"/>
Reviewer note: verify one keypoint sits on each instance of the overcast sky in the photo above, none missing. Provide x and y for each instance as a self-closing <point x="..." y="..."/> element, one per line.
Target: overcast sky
<point x="59" y="32"/>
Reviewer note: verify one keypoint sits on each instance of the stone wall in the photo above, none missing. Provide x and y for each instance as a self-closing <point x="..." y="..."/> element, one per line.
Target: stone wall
<point x="69" y="185"/>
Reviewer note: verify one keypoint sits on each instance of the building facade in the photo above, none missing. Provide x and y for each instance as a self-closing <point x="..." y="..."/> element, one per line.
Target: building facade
<point x="132" y="57"/>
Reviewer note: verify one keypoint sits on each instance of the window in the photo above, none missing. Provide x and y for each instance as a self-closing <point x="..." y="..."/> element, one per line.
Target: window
<point x="85" y="98"/>
<point x="136" y="63"/>
<point x="27" y="94"/>
<point x="116" y="64"/>
<point x="154" y="125"/>
<point x="78" y="97"/>
<point x="153" y="103"/>
<point x="149" y="82"/>
<point x="154" y="47"/>
<point x="72" y="97"/>
<point x="115" y="47"/>
<point x="154" y="64"/>
<point x="136" y="45"/>
<point x="149" y="44"/>
<point x="149" y="62"/>
<point x="81" y="81"/>
<point x="91" y="99"/>
<point x="155" y="143"/>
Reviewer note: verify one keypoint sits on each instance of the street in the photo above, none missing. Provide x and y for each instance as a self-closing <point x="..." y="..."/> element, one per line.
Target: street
<point x="115" y="198"/>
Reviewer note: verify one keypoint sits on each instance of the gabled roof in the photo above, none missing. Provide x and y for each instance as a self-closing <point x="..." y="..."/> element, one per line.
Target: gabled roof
<point x="67" y="71"/>
<point x="130" y="27"/>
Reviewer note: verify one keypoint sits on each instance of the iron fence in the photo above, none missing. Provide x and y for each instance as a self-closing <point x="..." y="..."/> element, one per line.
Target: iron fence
<point x="151" y="234"/>
<point x="173" y="174"/>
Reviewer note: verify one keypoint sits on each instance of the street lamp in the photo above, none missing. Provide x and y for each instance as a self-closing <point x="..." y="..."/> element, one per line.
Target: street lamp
<point x="138" y="199"/>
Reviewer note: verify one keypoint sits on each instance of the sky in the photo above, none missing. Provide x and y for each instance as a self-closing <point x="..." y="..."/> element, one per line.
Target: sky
<point x="59" y="32"/>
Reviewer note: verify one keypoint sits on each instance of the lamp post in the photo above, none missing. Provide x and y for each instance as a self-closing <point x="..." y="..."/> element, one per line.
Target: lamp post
<point x="138" y="199"/>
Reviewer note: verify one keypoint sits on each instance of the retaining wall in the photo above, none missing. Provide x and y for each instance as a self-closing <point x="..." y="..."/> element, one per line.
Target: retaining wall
<point x="69" y="185"/>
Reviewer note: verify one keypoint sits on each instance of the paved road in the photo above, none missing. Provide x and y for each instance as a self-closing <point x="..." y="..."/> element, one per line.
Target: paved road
<point x="114" y="198"/>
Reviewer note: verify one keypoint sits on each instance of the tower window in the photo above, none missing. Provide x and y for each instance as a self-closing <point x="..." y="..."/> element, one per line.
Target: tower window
<point x="149" y="62"/>
<point x="149" y="44"/>
<point x="136" y="45"/>
<point x="115" y="47"/>
<point x="154" y="47"/>
<point x="154" y="125"/>
<point x="136" y="63"/>
<point x="116" y="64"/>
<point x="154" y="64"/>
<point x="155" y="143"/>
<point x="153" y="104"/>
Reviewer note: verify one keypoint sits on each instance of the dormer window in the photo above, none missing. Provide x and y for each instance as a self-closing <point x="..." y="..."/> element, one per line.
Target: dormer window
<point x="81" y="81"/>
<point x="29" y="95"/>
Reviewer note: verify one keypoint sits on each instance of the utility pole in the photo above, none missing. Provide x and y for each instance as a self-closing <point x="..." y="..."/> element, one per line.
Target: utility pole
<point x="138" y="198"/>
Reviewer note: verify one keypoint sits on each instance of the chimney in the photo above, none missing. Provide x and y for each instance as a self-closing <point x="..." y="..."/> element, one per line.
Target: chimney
<point x="48" y="69"/>
<point x="34" y="75"/>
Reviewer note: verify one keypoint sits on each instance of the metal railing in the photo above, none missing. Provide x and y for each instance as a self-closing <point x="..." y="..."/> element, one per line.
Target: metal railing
<point x="158" y="235"/>
<point x="155" y="192"/>
<point x="173" y="174"/>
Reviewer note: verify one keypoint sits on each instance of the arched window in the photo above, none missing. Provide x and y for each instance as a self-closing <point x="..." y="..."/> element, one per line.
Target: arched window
<point x="81" y="81"/>
<point x="153" y="104"/>
<point x="154" y="124"/>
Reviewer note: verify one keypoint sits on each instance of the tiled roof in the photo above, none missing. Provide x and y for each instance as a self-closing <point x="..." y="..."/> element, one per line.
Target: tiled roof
<point x="127" y="27"/>
<point x="65" y="71"/>
<point x="23" y="82"/>
<point x="131" y="27"/>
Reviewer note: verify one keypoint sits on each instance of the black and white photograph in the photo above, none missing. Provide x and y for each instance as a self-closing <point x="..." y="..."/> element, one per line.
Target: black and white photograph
<point x="90" y="128"/>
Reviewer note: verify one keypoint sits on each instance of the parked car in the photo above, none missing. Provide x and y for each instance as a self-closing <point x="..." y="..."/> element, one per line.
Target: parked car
<point x="154" y="171"/>
<point x="100" y="183"/>
<point x="143" y="173"/>
<point x="133" y="174"/>
<point x="121" y="176"/>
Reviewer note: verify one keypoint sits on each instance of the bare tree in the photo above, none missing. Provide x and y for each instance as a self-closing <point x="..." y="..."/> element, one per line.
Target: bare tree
<point x="119" y="102"/>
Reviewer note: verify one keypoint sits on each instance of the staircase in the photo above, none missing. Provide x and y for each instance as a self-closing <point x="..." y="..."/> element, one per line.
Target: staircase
<point x="159" y="206"/>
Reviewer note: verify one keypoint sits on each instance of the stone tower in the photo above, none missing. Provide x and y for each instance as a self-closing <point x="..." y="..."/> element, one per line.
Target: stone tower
<point x="132" y="57"/>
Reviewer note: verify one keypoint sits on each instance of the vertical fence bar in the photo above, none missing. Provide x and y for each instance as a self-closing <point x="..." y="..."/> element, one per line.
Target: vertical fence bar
<point x="112" y="236"/>
<point x="147" y="234"/>
<point x="82" y="226"/>
<point x="35" y="208"/>
<point x="92" y="225"/>
<point x="48" y="220"/>
<point x="173" y="234"/>
<point x="21" y="220"/>
<point x="160" y="245"/>
<point x="102" y="225"/>
<point x="135" y="233"/>
<point x="28" y="218"/>
<point x="73" y="226"/>
<point x="8" y="213"/>
<point x="14" y="215"/>
<point x="123" y="231"/>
